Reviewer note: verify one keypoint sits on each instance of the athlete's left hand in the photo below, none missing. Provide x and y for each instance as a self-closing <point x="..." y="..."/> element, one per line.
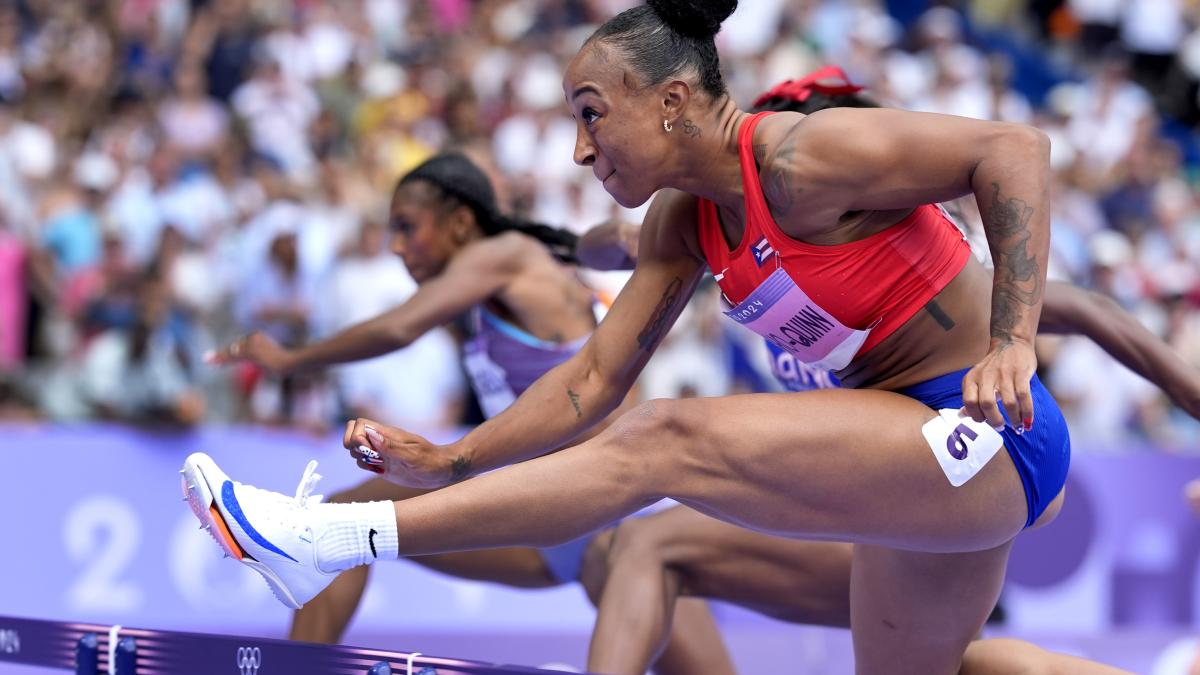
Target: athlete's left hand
<point x="399" y="456"/>
<point x="1003" y="375"/>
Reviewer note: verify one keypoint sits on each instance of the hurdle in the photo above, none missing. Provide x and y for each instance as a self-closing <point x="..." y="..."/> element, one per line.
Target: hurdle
<point x="95" y="649"/>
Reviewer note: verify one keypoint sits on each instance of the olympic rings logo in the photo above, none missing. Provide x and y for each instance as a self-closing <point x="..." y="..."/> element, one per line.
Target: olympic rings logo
<point x="248" y="660"/>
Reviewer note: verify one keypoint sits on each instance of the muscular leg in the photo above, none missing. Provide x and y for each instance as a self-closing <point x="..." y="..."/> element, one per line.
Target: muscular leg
<point x="692" y="641"/>
<point x="815" y="467"/>
<point x="791" y="580"/>
<point x="811" y="465"/>
<point x="652" y="560"/>
<point x="324" y="618"/>
<point x="929" y="606"/>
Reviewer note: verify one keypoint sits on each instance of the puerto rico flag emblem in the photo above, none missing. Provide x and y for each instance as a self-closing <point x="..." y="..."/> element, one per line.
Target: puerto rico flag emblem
<point x="762" y="251"/>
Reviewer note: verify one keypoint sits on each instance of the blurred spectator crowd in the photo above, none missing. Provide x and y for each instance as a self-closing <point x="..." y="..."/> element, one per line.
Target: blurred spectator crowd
<point x="174" y="173"/>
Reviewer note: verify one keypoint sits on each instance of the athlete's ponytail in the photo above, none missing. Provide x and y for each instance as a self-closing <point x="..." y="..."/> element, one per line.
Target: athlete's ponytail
<point x="460" y="179"/>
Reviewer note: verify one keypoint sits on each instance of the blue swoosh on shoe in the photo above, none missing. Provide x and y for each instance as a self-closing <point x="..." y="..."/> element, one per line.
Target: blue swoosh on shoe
<point x="229" y="499"/>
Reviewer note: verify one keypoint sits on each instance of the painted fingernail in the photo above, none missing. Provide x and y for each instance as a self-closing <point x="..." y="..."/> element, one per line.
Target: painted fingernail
<point x="1027" y="423"/>
<point x="375" y="436"/>
<point x="368" y="453"/>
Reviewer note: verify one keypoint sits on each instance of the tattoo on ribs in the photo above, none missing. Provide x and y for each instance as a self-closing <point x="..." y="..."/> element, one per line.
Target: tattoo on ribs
<point x="460" y="468"/>
<point x="575" y="402"/>
<point x="691" y="129"/>
<point x="660" y="320"/>
<point x="1018" y="281"/>
<point x="935" y="310"/>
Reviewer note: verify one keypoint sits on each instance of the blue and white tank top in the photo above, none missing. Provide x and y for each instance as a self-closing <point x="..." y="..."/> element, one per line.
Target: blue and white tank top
<point x="502" y="360"/>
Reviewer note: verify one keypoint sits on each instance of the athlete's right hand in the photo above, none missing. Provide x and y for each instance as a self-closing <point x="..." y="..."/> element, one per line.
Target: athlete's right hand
<point x="402" y="457"/>
<point x="258" y="348"/>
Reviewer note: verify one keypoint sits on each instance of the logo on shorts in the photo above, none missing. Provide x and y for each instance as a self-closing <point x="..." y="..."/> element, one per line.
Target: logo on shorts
<point x="762" y="251"/>
<point x="249" y="659"/>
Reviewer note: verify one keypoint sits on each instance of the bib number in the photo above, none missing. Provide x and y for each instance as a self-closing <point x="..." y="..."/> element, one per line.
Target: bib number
<point x="961" y="445"/>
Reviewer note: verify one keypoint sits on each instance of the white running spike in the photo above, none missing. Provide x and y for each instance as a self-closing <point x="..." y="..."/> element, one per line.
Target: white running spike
<point x="284" y="553"/>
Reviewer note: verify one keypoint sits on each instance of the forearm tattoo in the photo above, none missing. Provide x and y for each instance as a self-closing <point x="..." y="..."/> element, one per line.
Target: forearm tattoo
<point x="460" y="469"/>
<point x="660" y="320"/>
<point x="575" y="403"/>
<point x="691" y="129"/>
<point x="1018" y="281"/>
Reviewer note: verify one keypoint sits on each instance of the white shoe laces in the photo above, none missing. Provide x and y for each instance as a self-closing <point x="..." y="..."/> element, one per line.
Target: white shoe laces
<point x="304" y="495"/>
<point x="303" y="499"/>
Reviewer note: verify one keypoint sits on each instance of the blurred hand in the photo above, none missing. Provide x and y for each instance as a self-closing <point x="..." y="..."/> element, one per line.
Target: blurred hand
<point x="612" y="245"/>
<point x="1004" y="374"/>
<point x="400" y="457"/>
<point x="189" y="408"/>
<point x="257" y="348"/>
<point x="628" y="235"/>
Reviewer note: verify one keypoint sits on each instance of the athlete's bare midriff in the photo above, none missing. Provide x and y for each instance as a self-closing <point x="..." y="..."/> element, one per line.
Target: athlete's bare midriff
<point x="923" y="348"/>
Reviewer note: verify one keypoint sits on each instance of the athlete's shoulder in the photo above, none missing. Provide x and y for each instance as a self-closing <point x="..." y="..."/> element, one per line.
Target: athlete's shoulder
<point x="671" y="224"/>
<point x="507" y="251"/>
<point x="803" y="165"/>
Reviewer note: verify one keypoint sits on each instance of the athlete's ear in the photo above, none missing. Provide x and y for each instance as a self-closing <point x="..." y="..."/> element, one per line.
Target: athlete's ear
<point x="462" y="223"/>
<point x="676" y="95"/>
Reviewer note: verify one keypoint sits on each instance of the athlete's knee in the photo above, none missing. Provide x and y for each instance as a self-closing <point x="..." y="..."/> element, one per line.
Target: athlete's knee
<point x="640" y="543"/>
<point x="658" y="419"/>
<point x="664" y="425"/>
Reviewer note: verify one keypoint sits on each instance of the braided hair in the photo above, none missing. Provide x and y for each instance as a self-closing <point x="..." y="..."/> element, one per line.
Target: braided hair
<point x="458" y="178"/>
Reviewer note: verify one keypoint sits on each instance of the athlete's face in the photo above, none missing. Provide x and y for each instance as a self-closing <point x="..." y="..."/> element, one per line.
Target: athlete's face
<point x="619" y="130"/>
<point x="425" y="229"/>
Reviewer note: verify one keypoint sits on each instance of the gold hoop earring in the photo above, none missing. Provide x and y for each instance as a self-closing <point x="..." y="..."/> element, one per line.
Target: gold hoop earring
<point x="667" y="126"/>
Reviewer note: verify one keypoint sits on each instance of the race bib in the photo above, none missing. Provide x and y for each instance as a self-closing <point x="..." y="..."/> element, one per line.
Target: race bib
<point x="488" y="379"/>
<point x="782" y="312"/>
<point x="961" y="445"/>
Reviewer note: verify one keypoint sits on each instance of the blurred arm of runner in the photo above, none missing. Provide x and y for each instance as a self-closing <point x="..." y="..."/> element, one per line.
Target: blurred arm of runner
<point x="1069" y="309"/>
<point x="577" y="394"/>
<point x="480" y="271"/>
<point x="612" y="245"/>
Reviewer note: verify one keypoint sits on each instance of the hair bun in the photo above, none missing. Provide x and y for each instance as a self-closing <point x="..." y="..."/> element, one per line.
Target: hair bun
<point x="694" y="18"/>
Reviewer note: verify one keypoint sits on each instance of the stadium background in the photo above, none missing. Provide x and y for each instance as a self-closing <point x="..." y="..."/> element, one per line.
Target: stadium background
<point x="157" y="155"/>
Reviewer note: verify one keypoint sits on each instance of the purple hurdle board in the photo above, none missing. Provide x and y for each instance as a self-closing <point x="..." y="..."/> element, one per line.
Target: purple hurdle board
<point x="55" y="644"/>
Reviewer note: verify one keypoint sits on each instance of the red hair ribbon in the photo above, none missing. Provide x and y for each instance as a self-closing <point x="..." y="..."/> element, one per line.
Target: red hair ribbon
<point x="800" y="90"/>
